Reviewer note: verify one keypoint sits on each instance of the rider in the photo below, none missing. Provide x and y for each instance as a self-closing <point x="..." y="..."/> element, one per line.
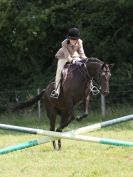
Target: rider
<point x="71" y="51"/>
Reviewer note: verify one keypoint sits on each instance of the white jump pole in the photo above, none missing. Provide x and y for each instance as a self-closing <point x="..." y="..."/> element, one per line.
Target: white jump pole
<point x="72" y="135"/>
<point x="67" y="135"/>
<point x="77" y="131"/>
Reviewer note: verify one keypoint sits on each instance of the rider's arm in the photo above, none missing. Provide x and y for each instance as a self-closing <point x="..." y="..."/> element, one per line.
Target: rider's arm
<point x="66" y="51"/>
<point x="63" y="53"/>
<point x="67" y="54"/>
<point x="81" y="50"/>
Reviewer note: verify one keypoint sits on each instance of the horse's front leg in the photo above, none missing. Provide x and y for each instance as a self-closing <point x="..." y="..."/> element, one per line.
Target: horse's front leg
<point x="51" y="113"/>
<point x="85" y="107"/>
<point x="65" y="120"/>
<point x="59" y="140"/>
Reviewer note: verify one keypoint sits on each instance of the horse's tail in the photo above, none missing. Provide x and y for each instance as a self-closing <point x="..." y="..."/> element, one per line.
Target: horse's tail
<point x="29" y="102"/>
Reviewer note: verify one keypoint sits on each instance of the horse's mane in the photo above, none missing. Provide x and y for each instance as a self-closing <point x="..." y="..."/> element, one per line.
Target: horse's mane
<point x="88" y="60"/>
<point x="92" y="59"/>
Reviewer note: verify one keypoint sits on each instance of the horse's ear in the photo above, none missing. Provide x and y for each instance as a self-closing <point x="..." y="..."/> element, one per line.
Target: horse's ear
<point x="111" y="65"/>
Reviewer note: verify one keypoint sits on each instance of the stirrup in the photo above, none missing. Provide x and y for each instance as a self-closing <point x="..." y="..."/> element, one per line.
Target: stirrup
<point x="54" y="94"/>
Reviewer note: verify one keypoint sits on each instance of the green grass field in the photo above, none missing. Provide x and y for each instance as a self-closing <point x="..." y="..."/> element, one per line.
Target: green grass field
<point x="76" y="159"/>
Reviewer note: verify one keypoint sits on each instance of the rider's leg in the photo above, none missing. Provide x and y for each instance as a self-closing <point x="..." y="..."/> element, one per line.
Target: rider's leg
<point x="60" y="66"/>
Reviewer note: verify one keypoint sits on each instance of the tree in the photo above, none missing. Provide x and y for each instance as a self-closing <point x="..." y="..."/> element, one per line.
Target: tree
<point x="31" y="32"/>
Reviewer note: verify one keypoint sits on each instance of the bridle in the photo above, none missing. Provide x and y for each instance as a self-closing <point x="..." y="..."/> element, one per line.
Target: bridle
<point x="95" y="84"/>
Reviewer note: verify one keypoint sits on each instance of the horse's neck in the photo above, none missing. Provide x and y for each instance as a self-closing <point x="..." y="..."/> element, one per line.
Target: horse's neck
<point x="94" y="68"/>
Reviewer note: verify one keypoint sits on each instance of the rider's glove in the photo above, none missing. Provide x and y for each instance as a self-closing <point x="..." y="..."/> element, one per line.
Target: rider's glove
<point x="77" y="63"/>
<point x="73" y="62"/>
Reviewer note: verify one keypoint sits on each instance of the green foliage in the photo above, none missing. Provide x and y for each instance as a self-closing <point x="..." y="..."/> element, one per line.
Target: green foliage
<point x="31" y="32"/>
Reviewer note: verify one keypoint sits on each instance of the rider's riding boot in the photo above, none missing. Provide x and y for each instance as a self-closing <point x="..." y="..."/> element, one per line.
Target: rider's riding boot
<point x="54" y="94"/>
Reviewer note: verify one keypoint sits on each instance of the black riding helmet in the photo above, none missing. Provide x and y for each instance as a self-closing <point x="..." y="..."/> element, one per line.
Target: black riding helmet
<point x="73" y="33"/>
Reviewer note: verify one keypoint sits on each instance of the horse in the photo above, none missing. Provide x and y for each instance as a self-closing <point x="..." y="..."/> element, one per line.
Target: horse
<point x="75" y="86"/>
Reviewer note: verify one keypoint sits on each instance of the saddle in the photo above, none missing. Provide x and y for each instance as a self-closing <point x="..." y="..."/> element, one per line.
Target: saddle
<point x="65" y="70"/>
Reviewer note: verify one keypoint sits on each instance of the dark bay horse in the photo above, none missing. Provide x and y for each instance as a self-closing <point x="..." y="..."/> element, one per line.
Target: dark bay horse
<point x="75" y="86"/>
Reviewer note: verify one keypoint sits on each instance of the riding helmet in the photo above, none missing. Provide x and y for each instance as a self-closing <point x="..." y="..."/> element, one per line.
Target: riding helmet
<point x="73" y="33"/>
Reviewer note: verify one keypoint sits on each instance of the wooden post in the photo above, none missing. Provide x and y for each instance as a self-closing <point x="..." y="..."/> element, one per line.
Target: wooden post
<point x="103" y="105"/>
<point x="39" y="105"/>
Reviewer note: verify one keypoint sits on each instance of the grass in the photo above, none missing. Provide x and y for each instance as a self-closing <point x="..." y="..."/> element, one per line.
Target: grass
<point x="76" y="159"/>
